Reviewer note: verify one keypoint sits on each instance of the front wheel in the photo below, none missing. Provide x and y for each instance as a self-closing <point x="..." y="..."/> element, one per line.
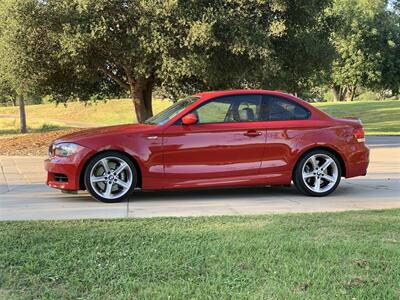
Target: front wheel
<point x="317" y="173"/>
<point x="110" y="177"/>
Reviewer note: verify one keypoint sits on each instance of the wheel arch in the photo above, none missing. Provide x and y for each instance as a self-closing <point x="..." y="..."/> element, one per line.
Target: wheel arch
<point x="132" y="159"/>
<point x="326" y="148"/>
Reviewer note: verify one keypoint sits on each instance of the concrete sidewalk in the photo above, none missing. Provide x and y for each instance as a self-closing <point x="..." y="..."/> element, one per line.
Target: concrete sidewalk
<point x="23" y="195"/>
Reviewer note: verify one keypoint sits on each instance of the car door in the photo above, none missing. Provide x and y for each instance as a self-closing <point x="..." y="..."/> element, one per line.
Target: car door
<point x="227" y="141"/>
<point x="287" y="126"/>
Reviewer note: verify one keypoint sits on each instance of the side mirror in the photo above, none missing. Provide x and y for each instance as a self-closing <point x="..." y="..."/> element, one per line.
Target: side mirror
<point x="190" y="119"/>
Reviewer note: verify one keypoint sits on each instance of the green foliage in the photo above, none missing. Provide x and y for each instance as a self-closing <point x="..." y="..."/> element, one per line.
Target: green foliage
<point x="7" y="94"/>
<point x="351" y="255"/>
<point x="96" y="48"/>
<point x="258" y="44"/>
<point x="367" y="43"/>
<point x="10" y="67"/>
<point x="366" y="96"/>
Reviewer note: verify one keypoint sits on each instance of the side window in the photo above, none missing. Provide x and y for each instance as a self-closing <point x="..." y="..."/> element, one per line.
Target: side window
<point x="279" y="109"/>
<point x="238" y="108"/>
<point x="213" y="112"/>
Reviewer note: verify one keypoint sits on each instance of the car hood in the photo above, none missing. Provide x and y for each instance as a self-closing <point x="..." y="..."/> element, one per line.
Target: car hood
<point x="78" y="136"/>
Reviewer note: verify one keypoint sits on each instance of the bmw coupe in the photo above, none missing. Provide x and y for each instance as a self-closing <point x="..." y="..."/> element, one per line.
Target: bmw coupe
<point x="213" y="139"/>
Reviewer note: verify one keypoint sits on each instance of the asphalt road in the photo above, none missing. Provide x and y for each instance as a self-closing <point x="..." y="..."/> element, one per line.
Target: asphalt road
<point x="23" y="195"/>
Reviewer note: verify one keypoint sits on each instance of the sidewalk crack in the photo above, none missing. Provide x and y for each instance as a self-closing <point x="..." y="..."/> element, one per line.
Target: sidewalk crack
<point x="5" y="178"/>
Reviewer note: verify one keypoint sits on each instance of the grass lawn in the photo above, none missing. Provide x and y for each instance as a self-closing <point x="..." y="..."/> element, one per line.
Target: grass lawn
<point x="104" y="113"/>
<point x="379" y="117"/>
<point x="351" y="255"/>
<point x="11" y="126"/>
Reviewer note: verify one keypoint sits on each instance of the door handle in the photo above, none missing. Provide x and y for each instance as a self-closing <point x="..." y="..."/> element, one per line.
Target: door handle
<point x="152" y="137"/>
<point x="253" y="133"/>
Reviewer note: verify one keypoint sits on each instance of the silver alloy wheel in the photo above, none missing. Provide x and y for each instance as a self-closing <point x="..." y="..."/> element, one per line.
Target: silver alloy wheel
<point x="111" y="177"/>
<point x="320" y="173"/>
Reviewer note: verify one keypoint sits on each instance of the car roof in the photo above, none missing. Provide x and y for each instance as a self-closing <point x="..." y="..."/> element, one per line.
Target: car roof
<point x="212" y="94"/>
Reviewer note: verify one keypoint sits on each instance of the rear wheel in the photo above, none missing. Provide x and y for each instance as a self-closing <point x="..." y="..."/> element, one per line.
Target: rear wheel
<point x="317" y="173"/>
<point x="110" y="177"/>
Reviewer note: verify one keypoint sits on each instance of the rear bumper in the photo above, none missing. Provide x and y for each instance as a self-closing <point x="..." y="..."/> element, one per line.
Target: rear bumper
<point x="357" y="160"/>
<point x="64" y="172"/>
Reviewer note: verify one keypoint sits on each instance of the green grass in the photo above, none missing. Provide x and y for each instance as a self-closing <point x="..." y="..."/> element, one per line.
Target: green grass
<point x="294" y="256"/>
<point x="109" y="113"/>
<point x="378" y="117"/>
<point x="12" y="126"/>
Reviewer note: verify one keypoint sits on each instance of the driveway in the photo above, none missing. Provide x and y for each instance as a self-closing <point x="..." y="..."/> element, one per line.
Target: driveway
<point x="23" y="196"/>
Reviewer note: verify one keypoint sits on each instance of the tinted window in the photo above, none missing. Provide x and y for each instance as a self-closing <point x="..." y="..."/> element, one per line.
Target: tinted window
<point x="280" y="109"/>
<point x="239" y="108"/>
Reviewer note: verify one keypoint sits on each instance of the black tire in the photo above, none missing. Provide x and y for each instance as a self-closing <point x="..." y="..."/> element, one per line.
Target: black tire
<point x="306" y="186"/>
<point x="110" y="156"/>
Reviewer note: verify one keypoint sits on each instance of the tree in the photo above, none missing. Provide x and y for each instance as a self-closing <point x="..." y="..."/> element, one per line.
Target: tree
<point x="263" y="44"/>
<point x="7" y="94"/>
<point x="365" y="40"/>
<point x="12" y="79"/>
<point x="96" y="48"/>
<point x="389" y="42"/>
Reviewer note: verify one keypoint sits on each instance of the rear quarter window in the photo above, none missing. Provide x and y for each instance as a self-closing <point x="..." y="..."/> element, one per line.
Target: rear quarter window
<point x="280" y="109"/>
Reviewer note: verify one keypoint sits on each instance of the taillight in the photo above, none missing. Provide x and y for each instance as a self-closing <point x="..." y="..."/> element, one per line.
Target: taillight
<point x="359" y="134"/>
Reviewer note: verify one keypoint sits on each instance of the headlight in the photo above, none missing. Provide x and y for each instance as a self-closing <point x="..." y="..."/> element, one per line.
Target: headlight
<point x="65" y="149"/>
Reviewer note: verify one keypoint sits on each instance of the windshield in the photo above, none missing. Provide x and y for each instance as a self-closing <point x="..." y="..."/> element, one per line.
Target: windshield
<point x="167" y="114"/>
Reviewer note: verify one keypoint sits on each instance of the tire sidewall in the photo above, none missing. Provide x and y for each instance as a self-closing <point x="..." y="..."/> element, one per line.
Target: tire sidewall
<point x="298" y="176"/>
<point x="100" y="156"/>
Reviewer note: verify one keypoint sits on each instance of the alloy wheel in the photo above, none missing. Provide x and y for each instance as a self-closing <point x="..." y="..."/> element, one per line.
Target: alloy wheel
<point x="111" y="177"/>
<point x="320" y="173"/>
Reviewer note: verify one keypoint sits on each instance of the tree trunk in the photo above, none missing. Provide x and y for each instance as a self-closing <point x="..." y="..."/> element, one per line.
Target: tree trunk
<point x="343" y="91"/>
<point x="14" y="101"/>
<point x="350" y="93"/>
<point x="22" y="115"/>
<point x="336" y="93"/>
<point x="141" y="93"/>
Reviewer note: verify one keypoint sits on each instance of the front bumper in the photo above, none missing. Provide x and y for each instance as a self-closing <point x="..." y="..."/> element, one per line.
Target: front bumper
<point x="65" y="172"/>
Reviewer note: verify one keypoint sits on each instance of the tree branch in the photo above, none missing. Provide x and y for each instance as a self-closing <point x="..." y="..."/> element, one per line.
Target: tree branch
<point x="114" y="77"/>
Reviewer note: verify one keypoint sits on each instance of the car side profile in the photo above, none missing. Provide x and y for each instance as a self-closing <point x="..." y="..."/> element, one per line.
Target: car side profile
<point x="213" y="139"/>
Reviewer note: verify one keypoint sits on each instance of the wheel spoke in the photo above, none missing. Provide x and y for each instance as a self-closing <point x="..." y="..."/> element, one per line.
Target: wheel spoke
<point x="327" y="163"/>
<point x="97" y="179"/>
<point x="314" y="162"/>
<point x="107" y="192"/>
<point x="122" y="167"/>
<point x="317" y="184"/>
<point x="123" y="184"/>
<point x="329" y="178"/>
<point x="104" y="163"/>
<point x="308" y="175"/>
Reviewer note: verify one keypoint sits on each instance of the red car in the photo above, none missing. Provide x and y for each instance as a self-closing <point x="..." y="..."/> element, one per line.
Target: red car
<point x="214" y="139"/>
